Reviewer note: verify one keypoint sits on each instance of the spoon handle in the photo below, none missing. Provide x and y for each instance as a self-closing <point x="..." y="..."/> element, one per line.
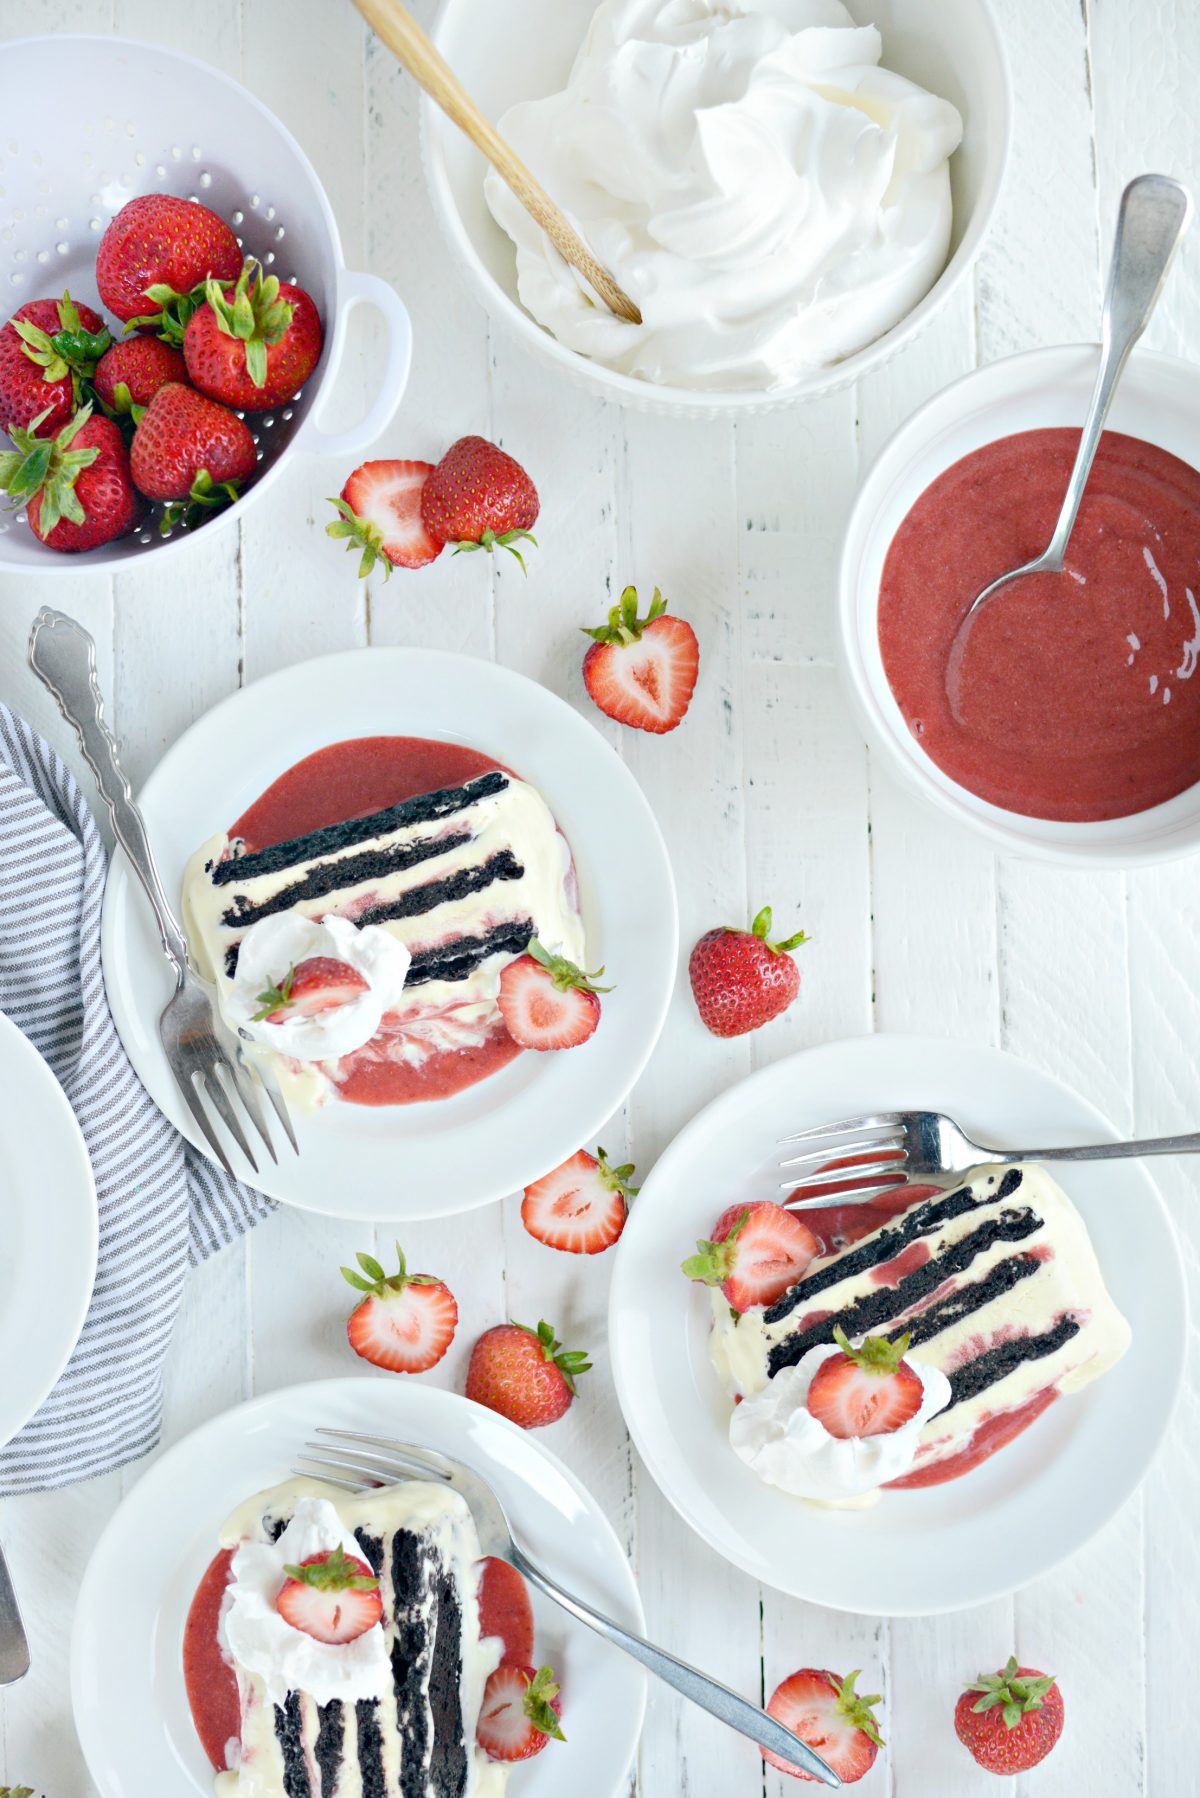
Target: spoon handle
<point x="1155" y="213"/>
<point x="415" y="52"/>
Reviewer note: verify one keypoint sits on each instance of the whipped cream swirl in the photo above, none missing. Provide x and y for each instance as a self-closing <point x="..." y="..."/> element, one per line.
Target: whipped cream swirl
<point x="771" y="198"/>
<point x="778" y="1437"/>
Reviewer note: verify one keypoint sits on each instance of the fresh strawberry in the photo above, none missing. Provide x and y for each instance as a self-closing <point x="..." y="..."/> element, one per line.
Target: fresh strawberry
<point x="333" y="1597"/>
<point x="828" y="1714"/>
<point x="757" y="1251"/>
<point x="319" y="983"/>
<point x="131" y="373"/>
<point x="76" y="485"/>
<point x="47" y="349"/>
<point x="478" y="496"/>
<point x="406" y="1322"/>
<point x="505" y="1611"/>
<point x="156" y="251"/>
<point x="253" y="344"/>
<point x="642" y="671"/>
<point x="865" y="1391"/>
<point x="525" y="1375"/>
<point x="1010" y="1720"/>
<point x="520" y="1713"/>
<point x="547" y="1002"/>
<point x="740" y="979"/>
<point x="380" y="514"/>
<point x="190" y="450"/>
<point x="581" y="1207"/>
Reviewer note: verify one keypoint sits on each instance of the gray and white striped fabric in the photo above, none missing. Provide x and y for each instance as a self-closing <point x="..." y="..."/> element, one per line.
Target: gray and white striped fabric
<point x="162" y="1206"/>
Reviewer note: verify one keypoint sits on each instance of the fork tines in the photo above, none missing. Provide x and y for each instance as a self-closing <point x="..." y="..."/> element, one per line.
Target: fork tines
<point x="379" y="1462"/>
<point x="845" y="1161"/>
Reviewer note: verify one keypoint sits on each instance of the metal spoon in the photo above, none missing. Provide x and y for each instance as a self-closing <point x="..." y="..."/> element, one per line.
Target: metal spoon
<point x="1155" y="213"/>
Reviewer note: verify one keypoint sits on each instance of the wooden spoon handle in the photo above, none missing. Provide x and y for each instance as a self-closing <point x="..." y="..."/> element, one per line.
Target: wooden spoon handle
<point x="415" y="52"/>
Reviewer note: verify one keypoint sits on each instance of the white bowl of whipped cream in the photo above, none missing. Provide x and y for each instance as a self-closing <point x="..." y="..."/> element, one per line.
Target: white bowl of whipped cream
<point x="788" y="189"/>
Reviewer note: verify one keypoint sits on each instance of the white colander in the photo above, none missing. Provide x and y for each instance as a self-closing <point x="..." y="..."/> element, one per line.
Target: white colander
<point x="149" y="120"/>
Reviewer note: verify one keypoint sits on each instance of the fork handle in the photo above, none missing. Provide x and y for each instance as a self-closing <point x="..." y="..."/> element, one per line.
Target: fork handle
<point x="63" y="656"/>
<point x="1101" y="1151"/>
<point x="728" y="1707"/>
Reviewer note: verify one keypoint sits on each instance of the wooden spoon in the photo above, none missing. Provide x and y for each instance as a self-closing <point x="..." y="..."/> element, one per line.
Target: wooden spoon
<point x="424" y="62"/>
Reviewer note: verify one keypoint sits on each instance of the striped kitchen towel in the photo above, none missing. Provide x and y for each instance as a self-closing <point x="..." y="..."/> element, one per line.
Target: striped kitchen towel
<point x="162" y="1206"/>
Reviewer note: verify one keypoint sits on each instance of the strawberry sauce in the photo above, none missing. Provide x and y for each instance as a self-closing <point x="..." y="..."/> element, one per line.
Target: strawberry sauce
<point x="352" y="780"/>
<point x="1068" y="696"/>
<point x="210" y="1680"/>
<point x="993" y="1433"/>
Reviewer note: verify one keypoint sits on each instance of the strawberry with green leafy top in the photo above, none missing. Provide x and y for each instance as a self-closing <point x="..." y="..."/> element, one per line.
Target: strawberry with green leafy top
<point x="405" y="1322"/>
<point x="519" y="1713"/>
<point x="1010" y="1720"/>
<point x="526" y="1375"/>
<point x="835" y="1721"/>
<point x="642" y="671"/>
<point x="741" y="979"/>
<point x="253" y="344"/>
<point x="155" y="254"/>
<point x="757" y="1251"/>
<point x="333" y="1597"/>
<point x="130" y="374"/>
<point x="379" y="513"/>
<point x="316" y="984"/>
<point x="48" y="350"/>
<point x="547" y="1002"/>
<point x="479" y="497"/>
<point x="866" y="1391"/>
<point x="581" y="1207"/>
<point x="190" y="451"/>
<point x="75" y="485"/>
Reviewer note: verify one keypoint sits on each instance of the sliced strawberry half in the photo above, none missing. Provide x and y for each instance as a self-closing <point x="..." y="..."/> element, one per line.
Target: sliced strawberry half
<point x="547" y="1002"/>
<point x="582" y="1206"/>
<point x="333" y="1597"/>
<point x="319" y="983"/>
<point x="520" y="1713"/>
<point x="505" y="1611"/>
<point x="380" y="514"/>
<point x="405" y="1322"/>
<point x="828" y="1714"/>
<point x="865" y="1391"/>
<point x="757" y="1251"/>
<point x="642" y="671"/>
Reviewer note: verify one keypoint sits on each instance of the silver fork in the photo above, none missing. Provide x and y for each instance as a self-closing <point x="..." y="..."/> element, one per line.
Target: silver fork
<point x="204" y="1055"/>
<point x="894" y="1148"/>
<point x="373" y="1461"/>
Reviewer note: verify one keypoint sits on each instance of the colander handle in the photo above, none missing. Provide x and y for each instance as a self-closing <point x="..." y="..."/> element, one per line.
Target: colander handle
<point x="358" y="289"/>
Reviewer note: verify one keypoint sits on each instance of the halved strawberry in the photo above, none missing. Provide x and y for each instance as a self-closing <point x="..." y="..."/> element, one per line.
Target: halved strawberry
<point x="380" y="509"/>
<point x="757" y="1251"/>
<point x="642" y="671"/>
<point x="319" y="983"/>
<point x="505" y="1611"/>
<point x="406" y="1322"/>
<point x="582" y="1206"/>
<point x="333" y="1597"/>
<point x="828" y="1714"/>
<point x="547" y="1002"/>
<point x="520" y="1713"/>
<point x="867" y="1391"/>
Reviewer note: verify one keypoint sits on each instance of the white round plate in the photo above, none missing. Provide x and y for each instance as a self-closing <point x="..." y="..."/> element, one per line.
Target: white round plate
<point x="127" y="1689"/>
<point x="946" y="1547"/>
<point x="428" y="1160"/>
<point x="50" y="1231"/>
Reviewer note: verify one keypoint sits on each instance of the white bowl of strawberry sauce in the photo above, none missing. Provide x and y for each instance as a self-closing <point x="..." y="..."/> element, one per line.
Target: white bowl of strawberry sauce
<point x="1071" y="729"/>
<point x="132" y="119"/>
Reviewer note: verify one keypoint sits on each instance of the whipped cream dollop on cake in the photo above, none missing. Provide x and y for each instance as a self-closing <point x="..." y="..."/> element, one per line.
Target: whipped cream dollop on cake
<point x="397" y="1715"/>
<point x="769" y="195"/>
<point x="996" y="1284"/>
<point x="459" y="881"/>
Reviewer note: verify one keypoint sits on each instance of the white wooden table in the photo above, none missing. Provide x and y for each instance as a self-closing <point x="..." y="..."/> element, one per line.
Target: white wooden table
<point x="766" y="794"/>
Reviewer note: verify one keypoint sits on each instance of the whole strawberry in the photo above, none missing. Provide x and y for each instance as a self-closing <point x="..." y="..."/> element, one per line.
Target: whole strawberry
<point x="478" y="496"/>
<point x="525" y="1375"/>
<point x="76" y="485"/>
<point x="154" y="252"/>
<point x="642" y="671"/>
<point x="131" y="373"/>
<point x="48" y="349"/>
<point x="252" y="345"/>
<point x="190" y="450"/>
<point x="1010" y="1720"/>
<point x="740" y="979"/>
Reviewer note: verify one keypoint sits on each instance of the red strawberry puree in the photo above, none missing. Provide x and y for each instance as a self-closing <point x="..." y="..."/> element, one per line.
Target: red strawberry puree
<point x="210" y="1680"/>
<point x="351" y="780"/>
<point x="1075" y="696"/>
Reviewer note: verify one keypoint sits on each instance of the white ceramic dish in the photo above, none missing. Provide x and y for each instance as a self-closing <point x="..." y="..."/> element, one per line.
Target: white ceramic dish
<point x="1158" y="400"/>
<point x="50" y="1231"/>
<point x="524" y="50"/>
<point x="914" y="1553"/>
<point x="127" y="1688"/>
<point x="134" y="118"/>
<point x="432" y="1159"/>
